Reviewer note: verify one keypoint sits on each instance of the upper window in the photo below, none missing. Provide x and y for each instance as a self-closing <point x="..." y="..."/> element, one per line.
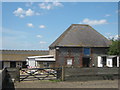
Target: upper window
<point x="86" y="51"/>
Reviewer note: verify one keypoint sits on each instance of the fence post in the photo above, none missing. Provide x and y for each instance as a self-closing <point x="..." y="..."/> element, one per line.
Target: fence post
<point x="18" y="74"/>
<point x="63" y="73"/>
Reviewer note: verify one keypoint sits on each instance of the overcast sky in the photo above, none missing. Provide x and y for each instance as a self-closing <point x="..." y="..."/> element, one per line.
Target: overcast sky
<point x="34" y="26"/>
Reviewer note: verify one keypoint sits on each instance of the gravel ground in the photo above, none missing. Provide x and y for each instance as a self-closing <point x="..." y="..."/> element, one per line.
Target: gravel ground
<point x="66" y="84"/>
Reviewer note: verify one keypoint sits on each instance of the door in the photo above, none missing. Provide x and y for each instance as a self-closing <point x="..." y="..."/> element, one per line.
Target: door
<point x="114" y="62"/>
<point x="24" y="64"/>
<point x="86" y="62"/>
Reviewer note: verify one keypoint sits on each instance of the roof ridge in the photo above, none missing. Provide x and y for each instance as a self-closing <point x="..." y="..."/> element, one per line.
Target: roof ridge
<point x="80" y="24"/>
<point x="62" y="35"/>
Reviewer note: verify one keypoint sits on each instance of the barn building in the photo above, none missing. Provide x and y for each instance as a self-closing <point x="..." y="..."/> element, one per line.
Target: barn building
<point x="13" y="58"/>
<point x="79" y="46"/>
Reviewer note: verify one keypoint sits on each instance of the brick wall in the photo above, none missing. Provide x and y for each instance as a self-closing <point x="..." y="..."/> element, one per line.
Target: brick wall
<point x="77" y="54"/>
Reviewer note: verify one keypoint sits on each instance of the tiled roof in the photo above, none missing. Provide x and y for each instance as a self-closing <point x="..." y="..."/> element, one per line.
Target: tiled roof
<point x="81" y="35"/>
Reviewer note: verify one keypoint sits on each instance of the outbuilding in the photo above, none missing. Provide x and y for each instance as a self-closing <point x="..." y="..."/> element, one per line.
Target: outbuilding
<point x="40" y="61"/>
<point x="14" y="58"/>
<point x="108" y="61"/>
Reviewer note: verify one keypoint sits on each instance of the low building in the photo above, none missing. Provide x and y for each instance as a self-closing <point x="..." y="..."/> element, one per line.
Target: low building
<point x="41" y="61"/>
<point x="108" y="61"/>
<point x="79" y="46"/>
<point x="14" y="58"/>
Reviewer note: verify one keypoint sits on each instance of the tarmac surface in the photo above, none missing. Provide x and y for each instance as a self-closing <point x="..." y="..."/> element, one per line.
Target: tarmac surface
<point x="66" y="84"/>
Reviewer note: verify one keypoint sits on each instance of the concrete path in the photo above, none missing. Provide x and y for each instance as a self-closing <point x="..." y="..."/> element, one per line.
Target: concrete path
<point x="65" y="84"/>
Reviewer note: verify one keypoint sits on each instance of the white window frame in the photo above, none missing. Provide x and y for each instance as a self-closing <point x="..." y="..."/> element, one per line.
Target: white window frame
<point x="69" y="61"/>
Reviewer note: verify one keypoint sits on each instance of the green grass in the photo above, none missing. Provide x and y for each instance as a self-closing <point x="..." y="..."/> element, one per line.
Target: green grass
<point x="55" y="80"/>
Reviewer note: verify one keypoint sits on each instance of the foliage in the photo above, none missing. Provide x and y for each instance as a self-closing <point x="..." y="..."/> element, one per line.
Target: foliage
<point x="56" y="80"/>
<point x="114" y="48"/>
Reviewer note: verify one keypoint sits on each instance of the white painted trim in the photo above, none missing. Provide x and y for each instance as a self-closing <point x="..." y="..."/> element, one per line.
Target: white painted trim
<point x="118" y="61"/>
<point x="41" y="56"/>
<point x="99" y="61"/>
<point x="45" y="59"/>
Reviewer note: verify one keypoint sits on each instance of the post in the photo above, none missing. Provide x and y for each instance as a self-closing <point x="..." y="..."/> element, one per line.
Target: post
<point x="63" y="73"/>
<point x="18" y="74"/>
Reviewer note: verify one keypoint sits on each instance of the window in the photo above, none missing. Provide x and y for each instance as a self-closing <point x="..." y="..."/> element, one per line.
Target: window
<point x="46" y="64"/>
<point x="69" y="62"/>
<point x="86" y="51"/>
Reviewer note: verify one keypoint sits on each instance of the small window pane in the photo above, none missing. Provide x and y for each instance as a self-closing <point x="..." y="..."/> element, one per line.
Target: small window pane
<point x="86" y="51"/>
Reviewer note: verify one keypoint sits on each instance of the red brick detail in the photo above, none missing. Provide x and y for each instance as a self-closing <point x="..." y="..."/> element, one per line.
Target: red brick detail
<point x="81" y="63"/>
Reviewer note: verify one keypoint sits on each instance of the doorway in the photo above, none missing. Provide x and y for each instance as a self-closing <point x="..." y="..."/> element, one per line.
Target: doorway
<point x="104" y="61"/>
<point x="86" y="61"/>
<point x="24" y="64"/>
<point x="12" y="64"/>
<point x="114" y="62"/>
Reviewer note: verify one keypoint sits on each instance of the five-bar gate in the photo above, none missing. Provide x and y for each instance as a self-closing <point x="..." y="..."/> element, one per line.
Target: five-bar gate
<point x="40" y="74"/>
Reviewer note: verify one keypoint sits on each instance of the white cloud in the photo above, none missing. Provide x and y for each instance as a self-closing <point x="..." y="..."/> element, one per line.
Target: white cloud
<point x="49" y="6"/>
<point x="94" y="22"/>
<point x="20" y="12"/>
<point x="45" y="6"/>
<point x="110" y="36"/>
<point x="29" y="12"/>
<point x="116" y="37"/>
<point x="107" y="15"/>
<point x="21" y="16"/>
<point x="39" y="36"/>
<point x="30" y="25"/>
<point x="42" y="26"/>
<point x="57" y="4"/>
<point x="43" y="42"/>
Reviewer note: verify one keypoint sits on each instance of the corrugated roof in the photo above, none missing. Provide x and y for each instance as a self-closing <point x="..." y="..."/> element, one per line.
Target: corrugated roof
<point x="81" y="35"/>
<point x="20" y="55"/>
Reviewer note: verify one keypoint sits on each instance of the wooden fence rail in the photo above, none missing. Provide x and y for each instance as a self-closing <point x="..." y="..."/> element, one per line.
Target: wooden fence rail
<point x="63" y="73"/>
<point x="40" y="74"/>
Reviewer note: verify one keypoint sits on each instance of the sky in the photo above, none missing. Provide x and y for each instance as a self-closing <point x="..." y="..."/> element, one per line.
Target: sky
<point x="35" y="25"/>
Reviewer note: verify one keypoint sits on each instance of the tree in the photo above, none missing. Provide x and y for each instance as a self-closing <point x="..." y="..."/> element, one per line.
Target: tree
<point x="114" y="48"/>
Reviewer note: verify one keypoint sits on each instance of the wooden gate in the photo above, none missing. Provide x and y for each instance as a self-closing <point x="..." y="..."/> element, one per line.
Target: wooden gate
<point x="40" y="74"/>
